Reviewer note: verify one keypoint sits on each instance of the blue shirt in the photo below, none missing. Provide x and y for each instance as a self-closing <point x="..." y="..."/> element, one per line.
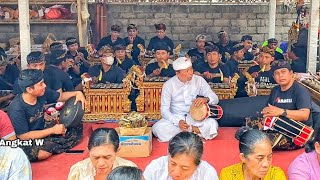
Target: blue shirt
<point x="155" y="40"/>
<point x="204" y="66"/>
<point x="125" y="65"/>
<point x="263" y="77"/>
<point x="170" y="72"/>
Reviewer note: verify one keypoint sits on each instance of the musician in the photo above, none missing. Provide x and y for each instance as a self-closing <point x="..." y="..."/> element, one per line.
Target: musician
<point x="37" y="60"/>
<point x="60" y="64"/>
<point x="113" y="39"/>
<point x="177" y="95"/>
<point x="161" y="37"/>
<point x="298" y="55"/>
<point x="246" y="40"/>
<point x="256" y="158"/>
<point x="134" y="39"/>
<point x="225" y="45"/>
<point x="162" y="67"/>
<point x="103" y="147"/>
<point x="8" y="74"/>
<point x="120" y="58"/>
<point x="197" y="54"/>
<point x="263" y="72"/>
<point x="307" y="165"/>
<point x="272" y="43"/>
<point x="53" y="47"/>
<point x="290" y="100"/>
<point x="107" y="71"/>
<point x="182" y="162"/>
<point x="28" y="117"/>
<point x="212" y="70"/>
<point x="233" y="63"/>
<point x="80" y="65"/>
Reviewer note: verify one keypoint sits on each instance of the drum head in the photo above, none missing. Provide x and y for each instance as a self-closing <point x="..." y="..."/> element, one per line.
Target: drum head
<point x="199" y="113"/>
<point x="71" y="115"/>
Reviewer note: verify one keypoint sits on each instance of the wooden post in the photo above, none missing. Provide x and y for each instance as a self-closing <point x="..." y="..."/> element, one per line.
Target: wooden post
<point x="272" y="18"/>
<point x="24" y="27"/>
<point x="82" y="26"/>
<point x="313" y="36"/>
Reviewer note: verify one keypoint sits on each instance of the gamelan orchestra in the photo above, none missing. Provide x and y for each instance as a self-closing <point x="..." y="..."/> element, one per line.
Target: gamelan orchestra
<point x="186" y="97"/>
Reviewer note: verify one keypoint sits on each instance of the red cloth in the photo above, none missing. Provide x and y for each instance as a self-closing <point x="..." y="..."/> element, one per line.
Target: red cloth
<point x="6" y="128"/>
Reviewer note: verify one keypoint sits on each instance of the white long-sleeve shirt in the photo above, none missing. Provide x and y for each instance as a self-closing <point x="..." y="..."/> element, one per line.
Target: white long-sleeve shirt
<point x="177" y="97"/>
<point x="158" y="170"/>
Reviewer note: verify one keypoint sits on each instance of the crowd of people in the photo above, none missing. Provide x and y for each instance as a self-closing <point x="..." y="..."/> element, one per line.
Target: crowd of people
<point x="56" y="77"/>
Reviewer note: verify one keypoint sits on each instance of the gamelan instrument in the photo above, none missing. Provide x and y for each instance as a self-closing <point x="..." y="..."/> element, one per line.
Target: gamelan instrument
<point x="71" y="115"/>
<point x="200" y="113"/>
<point x="299" y="132"/>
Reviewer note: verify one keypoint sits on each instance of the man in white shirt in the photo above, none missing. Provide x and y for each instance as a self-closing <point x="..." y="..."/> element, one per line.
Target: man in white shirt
<point x="178" y="94"/>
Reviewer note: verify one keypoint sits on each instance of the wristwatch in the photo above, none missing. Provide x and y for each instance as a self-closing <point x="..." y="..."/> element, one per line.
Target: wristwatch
<point x="208" y="99"/>
<point x="284" y="113"/>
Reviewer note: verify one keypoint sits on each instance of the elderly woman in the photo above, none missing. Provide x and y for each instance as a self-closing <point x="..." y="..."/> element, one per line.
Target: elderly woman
<point x="183" y="162"/>
<point x="103" y="146"/>
<point x="256" y="158"/>
<point x="125" y="173"/>
<point x="307" y="165"/>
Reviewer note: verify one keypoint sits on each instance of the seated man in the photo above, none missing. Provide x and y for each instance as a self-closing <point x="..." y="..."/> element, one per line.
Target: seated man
<point x="121" y="60"/>
<point x="232" y="64"/>
<point x="246" y="40"/>
<point x="60" y="63"/>
<point x="177" y="96"/>
<point x="262" y="72"/>
<point x="80" y="65"/>
<point x="113" y="39"/>
<point x="212" y="70"/>
<point x="106" y="72"/>
<point x="161" y="68"/>
<point x="225" y="45"/>
<point x="36" y="60"/>
<point x="288" y="100"/>
<point x="8" y="74"/>
<point x="28" y="117"/>
<point x="197" y="54"/>
<point x="160" y="38"/>
<point x="134" y="39"/>
<point x="53" y="47"/>
<point x="272" y="43"/>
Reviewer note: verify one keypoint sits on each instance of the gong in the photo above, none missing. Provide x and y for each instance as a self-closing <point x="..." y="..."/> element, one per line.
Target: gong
<point x="71" y="115"/>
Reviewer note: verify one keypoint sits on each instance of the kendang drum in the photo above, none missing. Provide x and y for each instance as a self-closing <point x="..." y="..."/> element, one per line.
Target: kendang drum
<point x="200" y="113"/>
<point x="296" y="130"/>
<point x="71" y="114"/>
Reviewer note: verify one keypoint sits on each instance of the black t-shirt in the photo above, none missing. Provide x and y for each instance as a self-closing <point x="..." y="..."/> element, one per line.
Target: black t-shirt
<point x="232" y="67"/>
<point x="113" y="75"/>
<point x="164" y="72"/>
<point x="224" y="49"/>
<point x="155" y="40"/>
<point x="9" y="77"/>
<point x="203" y="67"/>
<point x="107" y="41"/>
<point x="61" y="76"/>
<point x="126" y="64"/>
<point x="263" y="77"/>
<point x="248" y="56"/>
<point x="136" y="51"/>
<point x="196" y="57"/>
<point x="26" y="117"/>
<point x="295" y="98"/>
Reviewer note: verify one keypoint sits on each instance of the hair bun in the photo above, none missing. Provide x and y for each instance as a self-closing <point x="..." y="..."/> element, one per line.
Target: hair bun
<point x="241" y="131"/>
